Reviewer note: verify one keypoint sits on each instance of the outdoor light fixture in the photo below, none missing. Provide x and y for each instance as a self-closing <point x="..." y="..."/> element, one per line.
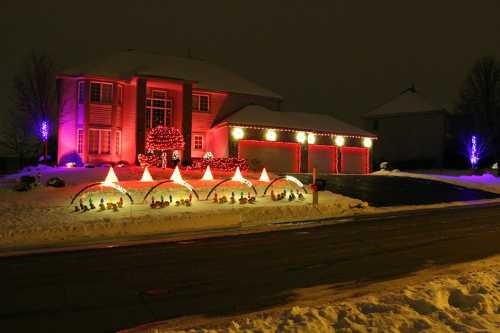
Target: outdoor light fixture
<point x="238" y="133"/>
<point x="339" y="140"/>
<point x="271" y="135"/>
<point x="301" y="137"/>
<point x="311" y="138"/>
<point x="367" y="142"/>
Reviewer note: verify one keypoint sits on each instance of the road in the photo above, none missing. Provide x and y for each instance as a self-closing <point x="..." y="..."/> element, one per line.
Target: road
<point x="107" y="290"/>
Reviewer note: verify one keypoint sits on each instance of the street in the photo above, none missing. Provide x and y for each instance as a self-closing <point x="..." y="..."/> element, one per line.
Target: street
<point x="108" y="290"/>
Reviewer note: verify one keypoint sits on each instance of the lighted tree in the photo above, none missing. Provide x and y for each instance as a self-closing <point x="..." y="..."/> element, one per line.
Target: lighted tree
<point x="163" y="138"/>
<point x="160" y="141"/>
<point x="34" y="108"/>
<point x="480" y="99"/>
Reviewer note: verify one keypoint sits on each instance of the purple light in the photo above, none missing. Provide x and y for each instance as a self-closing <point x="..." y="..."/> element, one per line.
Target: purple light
<point x="44" y="130"/>
<point x="474" y="155"/>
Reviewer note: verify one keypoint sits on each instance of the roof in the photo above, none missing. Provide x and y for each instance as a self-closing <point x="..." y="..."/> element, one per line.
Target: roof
<point x="410" y="101"/>
<point x="125" y="65"/>
<point x="256" y="115"/>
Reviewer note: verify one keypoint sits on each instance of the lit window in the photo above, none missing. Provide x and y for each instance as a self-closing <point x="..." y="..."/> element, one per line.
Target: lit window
<point x="81" y="92"/>
<point x="99" y="141"/>
<point x="158" y="109"/>
<point x="79" y="141"/>
<point x="198" y="142"/>
<point x="101" y="92"/>
<point x="201" y="103"/>
<point x="118" y="142"/>
<point x="93" y="141"/>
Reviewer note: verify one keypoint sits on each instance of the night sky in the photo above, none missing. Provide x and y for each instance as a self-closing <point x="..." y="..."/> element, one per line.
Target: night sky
<point x="336" y="57"/>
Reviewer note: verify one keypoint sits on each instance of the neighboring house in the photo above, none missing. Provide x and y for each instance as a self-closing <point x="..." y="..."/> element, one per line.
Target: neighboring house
<point x="411" y="130"/>
<point x="107" y="108"/>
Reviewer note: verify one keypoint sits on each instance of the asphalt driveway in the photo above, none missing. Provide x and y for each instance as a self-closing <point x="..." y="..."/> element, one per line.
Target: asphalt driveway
<point x="382" y="191"/>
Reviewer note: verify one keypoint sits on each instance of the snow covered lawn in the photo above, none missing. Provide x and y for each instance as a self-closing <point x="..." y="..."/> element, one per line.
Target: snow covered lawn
<point x="486" y="182"/>
<point x="44" y="215"/>
<point x="462" y="298"/>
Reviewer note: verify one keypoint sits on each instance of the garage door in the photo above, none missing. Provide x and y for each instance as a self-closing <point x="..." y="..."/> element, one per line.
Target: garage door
<point x="355" y="160"/>
<point x="274" y="156"/>
<point x="323" y="158"/>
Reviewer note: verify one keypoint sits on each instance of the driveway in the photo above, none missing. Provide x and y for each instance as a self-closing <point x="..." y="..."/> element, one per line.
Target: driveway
<point x="382" y="191"/>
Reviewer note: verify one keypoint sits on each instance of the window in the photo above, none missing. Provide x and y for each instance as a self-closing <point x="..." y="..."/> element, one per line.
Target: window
<point x="101" y="92"/>
<point x="118" y="142"/>
<point x="79" y="141"/>
<point x="99" y="141"/>
<point x="81" y="92"/>
<point x="158" y="109"/>
<point x="198" y="142"/>
<point x="201" y="103"/>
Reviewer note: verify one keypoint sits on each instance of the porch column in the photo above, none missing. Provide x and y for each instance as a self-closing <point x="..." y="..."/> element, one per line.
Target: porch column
<point x="140" y="115"/>
<point x="187" y="120"/>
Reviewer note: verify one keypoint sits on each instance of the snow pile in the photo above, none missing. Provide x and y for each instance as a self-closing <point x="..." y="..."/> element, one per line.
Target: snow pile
<point x="486" y="182"/>
<point x="465" y="302"/>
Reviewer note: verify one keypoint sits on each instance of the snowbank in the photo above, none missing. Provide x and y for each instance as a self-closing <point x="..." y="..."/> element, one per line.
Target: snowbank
<point x="467" y="301"/>
<point x="486" y="182"/>
<point x="44" y="215"/>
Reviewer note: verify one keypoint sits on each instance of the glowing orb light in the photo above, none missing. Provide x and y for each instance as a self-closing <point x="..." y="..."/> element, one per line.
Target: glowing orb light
<point x="176" y="176"/>
<point x="111" y="177"/>
<point x="339" y="140"/>
<point x="367" y="142"/>
<point x="264" y="177"/>
<point x="271" y="135"/>
<point x="311" y="138"/>
<point x="146" y="176"/>
<point x="207" y="175"/>
<point x="238" y="133"/>
<point x="301" y="137"/>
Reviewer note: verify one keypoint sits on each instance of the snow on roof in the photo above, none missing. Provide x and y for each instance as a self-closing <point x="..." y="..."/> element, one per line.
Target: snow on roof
<point x="409" y="101"/>
<point x="256" y="115"/>
<point x="125" y="65"/>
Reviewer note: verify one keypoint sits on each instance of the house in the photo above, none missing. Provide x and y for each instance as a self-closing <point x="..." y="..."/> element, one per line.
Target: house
<point x="411" y="130"/>
<point x="108" y="106"/>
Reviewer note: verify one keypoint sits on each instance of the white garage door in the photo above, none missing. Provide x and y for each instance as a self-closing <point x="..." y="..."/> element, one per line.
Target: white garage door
<point x="274" y="156"/>
<point x="355" y="160"/>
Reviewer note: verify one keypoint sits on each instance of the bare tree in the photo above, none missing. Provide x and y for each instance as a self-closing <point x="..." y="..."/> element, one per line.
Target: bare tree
<point x="480" y="98"/>
<point x="35" y="105"/>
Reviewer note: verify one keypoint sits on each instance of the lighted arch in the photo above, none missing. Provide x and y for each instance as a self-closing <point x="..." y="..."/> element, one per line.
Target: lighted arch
<point x="290" y="179"/>
<point x="242" y="181"/>
<point x="182" y="183"/>
<point x="105" y="184"/>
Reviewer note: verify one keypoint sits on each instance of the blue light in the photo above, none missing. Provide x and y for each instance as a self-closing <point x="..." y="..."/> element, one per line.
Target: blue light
<point x="44" y="130"/>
